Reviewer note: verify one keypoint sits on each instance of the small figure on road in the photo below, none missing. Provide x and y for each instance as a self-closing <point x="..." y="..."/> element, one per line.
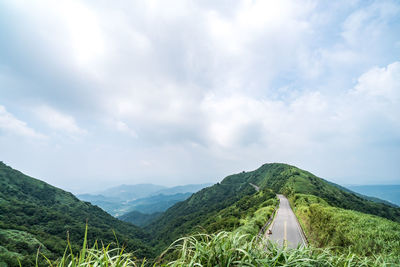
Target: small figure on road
<point x="269" y="232"/>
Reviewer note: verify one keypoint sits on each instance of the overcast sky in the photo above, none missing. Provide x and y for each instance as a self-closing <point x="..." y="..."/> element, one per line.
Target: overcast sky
<point x="100" y="93"/>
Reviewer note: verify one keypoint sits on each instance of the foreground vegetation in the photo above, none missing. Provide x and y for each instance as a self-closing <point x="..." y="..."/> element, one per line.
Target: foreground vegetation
<point x="235" y="249"/>
<point x="220" y="249"/>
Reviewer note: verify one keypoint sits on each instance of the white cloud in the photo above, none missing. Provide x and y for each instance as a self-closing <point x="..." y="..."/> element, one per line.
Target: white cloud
<point x="367" y="24"/>
<point x="377" y="96"/>
<point x="312" y="120"/>
<point x="381" y="82"/>
<point x="218" y="82"/>
<point x="58" y="121"/>
<point x="124" y="128"/>
<point x="13" y="125"/>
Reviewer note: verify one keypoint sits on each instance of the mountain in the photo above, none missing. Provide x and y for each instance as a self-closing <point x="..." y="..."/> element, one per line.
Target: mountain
<point x="34" y="213"/>
<point x="181" y="189"/>
<point x="387" y="192"/>
<point x="146" y="198"/>
<point x="157" y="203"/>
<point x="138" y="218"/>
<point x="131" y="192"/>
<point x="226" y="204"/>
<point x="370" y="198"/>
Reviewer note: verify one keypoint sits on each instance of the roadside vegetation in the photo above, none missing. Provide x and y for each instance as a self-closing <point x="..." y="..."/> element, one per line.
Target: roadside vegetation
<point x="235" y="249"/>
<point x="347" y="230"/>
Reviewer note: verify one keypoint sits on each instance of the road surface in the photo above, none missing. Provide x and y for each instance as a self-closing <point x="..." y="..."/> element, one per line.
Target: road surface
<point x="285" y="228"/>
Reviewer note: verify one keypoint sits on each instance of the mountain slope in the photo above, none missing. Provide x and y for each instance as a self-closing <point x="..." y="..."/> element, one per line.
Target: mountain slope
<point x="46" y="213"/>
<point x="223" y="206"/>
<point x="235" y="190"/>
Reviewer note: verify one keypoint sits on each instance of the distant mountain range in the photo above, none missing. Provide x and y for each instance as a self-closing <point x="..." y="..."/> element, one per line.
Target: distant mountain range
<point x="390" y="193"/>
<point x="145" y="198"/>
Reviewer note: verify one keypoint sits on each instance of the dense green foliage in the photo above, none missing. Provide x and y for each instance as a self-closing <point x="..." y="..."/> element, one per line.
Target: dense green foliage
<point x="33" y="213"/>
<point x="361" y="233"/>
<point x="140" y="219"/>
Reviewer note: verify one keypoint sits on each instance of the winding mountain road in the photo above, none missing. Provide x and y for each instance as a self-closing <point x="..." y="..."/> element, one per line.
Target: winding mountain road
<point x="285" y="227"/>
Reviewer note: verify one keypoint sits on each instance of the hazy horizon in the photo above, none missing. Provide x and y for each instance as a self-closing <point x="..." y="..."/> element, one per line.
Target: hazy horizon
<point x="95" y="94"/>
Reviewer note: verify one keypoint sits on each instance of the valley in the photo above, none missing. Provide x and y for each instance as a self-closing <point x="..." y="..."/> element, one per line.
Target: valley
<point x="144" y="198"/>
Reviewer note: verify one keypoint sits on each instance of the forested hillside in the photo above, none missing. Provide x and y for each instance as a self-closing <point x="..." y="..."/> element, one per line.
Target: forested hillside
<point x="224" y="206"/>
<point x="139" y="219"/>
<point x="33" y="214"/>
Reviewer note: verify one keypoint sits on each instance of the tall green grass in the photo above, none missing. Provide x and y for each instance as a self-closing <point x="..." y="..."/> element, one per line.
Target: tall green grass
<point x="218" y="250"/>
<point x="95" y="256"/>
<point x="234" y="249"/>
<point x="343" y="230"/>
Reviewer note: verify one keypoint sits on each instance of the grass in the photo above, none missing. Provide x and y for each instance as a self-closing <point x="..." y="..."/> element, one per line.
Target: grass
<point x="218" y="250"/>
<point x="235" y="249"/>
<point x="95" y="256"/>
<point x="361" y="233"/>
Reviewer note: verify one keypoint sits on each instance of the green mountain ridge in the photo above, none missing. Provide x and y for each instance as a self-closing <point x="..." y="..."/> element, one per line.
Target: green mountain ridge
<point x="204" y="208"/>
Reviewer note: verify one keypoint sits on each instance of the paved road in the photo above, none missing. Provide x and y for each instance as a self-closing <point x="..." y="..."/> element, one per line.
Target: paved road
<point x="285" y="228"/>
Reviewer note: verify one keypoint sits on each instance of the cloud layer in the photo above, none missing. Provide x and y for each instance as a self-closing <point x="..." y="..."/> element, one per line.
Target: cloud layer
<point x="183" y="92"/>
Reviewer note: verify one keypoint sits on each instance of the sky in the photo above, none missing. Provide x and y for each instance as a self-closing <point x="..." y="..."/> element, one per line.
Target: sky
<point x="95" y="94"/>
